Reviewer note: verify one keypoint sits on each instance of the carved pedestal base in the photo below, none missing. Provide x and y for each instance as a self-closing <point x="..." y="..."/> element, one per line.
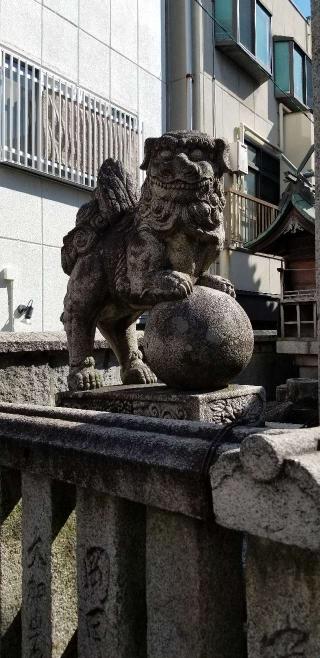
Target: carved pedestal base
<point x="235" y="403"/>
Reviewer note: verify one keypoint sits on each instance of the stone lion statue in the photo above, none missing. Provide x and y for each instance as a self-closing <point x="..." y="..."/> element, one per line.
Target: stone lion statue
<point x="127" y="254"/>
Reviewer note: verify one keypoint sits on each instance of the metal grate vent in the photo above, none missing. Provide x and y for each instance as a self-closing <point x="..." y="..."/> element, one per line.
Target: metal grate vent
<point x="54" y="127"/>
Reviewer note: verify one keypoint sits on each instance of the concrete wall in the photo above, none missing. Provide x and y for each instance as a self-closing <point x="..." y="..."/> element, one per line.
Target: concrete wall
<point x="113" y="48"/>
<point x="255" y="272"/>
<point x="34" y="367"/>
<point x="226" y="98"/>
<point x="238" y="98"/>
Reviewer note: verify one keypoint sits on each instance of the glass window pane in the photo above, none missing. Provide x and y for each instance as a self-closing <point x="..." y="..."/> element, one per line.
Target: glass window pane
<point x="282" y="65"/>
<point x="253" y="154"/>
<point x="298" y="75"/>
<point x="270" y="165"/>
<point x="246" y="24"/>
<point x="263" y="23"/>
<point x="224" y="16"/>
<point x="269" y="190"/>
<point x="309" y="83"/>
<point x="250" y="183"/>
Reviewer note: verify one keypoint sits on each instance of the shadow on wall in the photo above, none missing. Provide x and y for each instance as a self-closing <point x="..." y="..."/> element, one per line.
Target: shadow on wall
<point x="267" y="368"/>
<point x="37" y="212"/>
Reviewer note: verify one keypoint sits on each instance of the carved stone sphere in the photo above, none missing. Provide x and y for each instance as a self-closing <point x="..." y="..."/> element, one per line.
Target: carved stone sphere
<point x="200" y="343"/>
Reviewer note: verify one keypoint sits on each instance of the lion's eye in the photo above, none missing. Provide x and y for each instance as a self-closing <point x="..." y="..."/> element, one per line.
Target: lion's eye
<point x="166" y="155"/>
<point x="197" y="154"/>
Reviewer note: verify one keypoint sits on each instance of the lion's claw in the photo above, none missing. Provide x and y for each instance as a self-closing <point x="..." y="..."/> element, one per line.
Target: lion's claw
<point x="169" y="286"/>
<point x="85" y="378"/>
<point x="138" y="373"/>
<point x="217" y="283"/>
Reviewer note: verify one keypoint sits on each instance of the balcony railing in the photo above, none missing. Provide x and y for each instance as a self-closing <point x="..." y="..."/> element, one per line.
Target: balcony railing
<point x="298" y="307"/>
<point x="246" y="217"/>
<point x="54" y="127"/>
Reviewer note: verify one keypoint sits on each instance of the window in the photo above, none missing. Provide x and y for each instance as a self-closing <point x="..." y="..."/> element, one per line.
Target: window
<point x="293" y="74"/>
<point x="263" y="179"/>
<point x="263" y="20"/>
<point x="54" y="127"/>
<point x="243" y="31"/>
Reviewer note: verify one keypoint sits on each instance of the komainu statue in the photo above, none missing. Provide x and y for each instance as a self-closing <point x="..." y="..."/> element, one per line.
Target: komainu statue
<point x="127" y="254"/>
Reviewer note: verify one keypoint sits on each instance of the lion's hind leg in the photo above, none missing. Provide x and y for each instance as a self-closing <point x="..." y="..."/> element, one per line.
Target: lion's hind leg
<point x="122" y="337"/>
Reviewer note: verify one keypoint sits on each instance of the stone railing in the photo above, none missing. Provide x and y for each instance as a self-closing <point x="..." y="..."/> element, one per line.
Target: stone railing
<point x="155" y="577"/>
<point x="144" y="568"/>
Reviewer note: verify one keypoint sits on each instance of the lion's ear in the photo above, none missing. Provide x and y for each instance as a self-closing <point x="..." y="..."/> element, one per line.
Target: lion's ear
<point x="148" y="148"/>
<point x="221" y="157"/>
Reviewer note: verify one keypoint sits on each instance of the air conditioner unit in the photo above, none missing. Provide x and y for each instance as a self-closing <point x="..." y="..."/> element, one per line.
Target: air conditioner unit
<point x="239" y="157"/>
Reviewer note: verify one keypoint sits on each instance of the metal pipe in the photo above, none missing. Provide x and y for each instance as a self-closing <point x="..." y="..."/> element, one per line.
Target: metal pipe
<point x="188" y="65"/>
<point x="10" y="305"/>
<point x="281" y="130"/>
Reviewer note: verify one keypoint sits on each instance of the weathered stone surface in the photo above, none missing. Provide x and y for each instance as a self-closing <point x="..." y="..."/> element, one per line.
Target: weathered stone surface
<point x="64" y="586"/>
<point x="39" y="341"/>
<point x="200" y="343"/>
<point x="10" y="563"/>
<point x="158" y="468"/>
<point x="19" y="383"/>
<point x="283" y="600"/>
<point x="111" y="577"/>
<point x="302" y="389"/>
<point x="285" y="508"/>
<point x="36" y="374"/>
<point x="241" y="404"/>
<point x="172" y="235"/>
<point x="195" y="598"/>
<point x="36" y="564"/>
<point x="263" y="455"/>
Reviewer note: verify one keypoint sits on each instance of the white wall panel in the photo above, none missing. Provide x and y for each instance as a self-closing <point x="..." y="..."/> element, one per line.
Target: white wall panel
<point x="94" y="65"/>
<point x="54" y="289"/>
<point x="94" y="17"/>
<point x="20" y="206"/>
<point x="69" y="9"/>
<point x="124" y="22"/>
<point x="60" y="45"/>
<point x="151" y="91"/>
<point x="124" y="82"/>
<point x="150" y="36"/>
<point x="20" y="26"/>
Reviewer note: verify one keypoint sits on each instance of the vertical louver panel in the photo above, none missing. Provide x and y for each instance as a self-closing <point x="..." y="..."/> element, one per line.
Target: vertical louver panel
<point x="54" y="127"/>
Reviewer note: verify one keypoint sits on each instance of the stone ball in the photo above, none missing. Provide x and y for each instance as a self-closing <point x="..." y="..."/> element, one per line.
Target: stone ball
<point x="199" y="343"/>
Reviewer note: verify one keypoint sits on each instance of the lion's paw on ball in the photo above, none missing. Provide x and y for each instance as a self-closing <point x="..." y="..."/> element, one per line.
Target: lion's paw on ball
<point x="199" y="343"/>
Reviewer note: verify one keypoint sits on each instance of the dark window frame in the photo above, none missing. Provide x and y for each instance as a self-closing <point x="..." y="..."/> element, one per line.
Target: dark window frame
<point x="261" y="172"/>
<point x="232" y="45"/>
<point x="290" y="99"/>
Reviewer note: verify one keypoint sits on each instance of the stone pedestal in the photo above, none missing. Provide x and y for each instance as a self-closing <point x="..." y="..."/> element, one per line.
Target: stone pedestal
<point x="233" y="404"/>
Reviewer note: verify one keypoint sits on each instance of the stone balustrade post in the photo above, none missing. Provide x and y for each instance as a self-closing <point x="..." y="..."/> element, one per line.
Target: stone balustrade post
<point x="36" y="566"/>
<point x="195" y="596"/>
<point x="269" y="488"/>
<point x="111" y="584"/>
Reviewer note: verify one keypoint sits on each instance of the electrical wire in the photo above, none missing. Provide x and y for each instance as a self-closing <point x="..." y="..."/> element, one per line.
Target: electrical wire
<point x="213" y="18"/>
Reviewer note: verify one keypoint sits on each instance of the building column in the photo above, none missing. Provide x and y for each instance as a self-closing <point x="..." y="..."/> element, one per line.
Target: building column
<point x="316" y="103"/>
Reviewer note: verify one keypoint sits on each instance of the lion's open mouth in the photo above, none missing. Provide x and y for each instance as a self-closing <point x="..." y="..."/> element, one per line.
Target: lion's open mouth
<point x="203" y="185"/>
